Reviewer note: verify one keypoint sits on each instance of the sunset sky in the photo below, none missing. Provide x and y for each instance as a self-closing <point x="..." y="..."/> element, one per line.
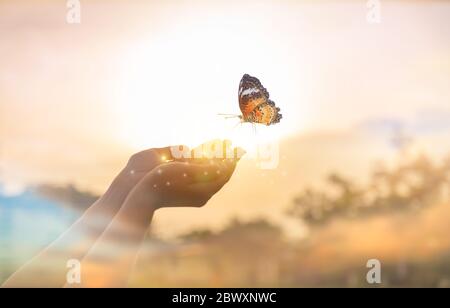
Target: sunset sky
<point x="76" y="100"/>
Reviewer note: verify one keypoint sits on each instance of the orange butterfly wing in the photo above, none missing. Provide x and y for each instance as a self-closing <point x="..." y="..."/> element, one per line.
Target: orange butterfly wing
<point x="255" y="104"/>
<point x="266" y="114"/>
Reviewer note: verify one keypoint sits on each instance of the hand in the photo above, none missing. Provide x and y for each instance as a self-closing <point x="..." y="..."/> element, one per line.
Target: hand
<point x="141" y="163"/>
<point x="186" y="184"/>
<point x="182" y="182"/>
<point x="137" y="167"/>
<point x="132" y="198"/>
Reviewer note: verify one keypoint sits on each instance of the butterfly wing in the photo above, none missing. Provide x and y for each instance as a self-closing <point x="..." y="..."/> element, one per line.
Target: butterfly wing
<point x="254" y="102"/>
<point x="267" y="113"/>
<point x="251" y="94"/>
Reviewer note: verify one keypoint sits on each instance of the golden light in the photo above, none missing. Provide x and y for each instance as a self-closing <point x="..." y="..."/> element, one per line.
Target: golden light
<point x="175" y="81"/>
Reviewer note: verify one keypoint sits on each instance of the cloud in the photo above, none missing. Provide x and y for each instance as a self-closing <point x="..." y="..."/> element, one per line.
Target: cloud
<point x="400" y="131"/>
<point x="12" y="189"/>
<point x="427" y="121"/>
<point x="431" y="121"/>
<point x="68" y="195"/>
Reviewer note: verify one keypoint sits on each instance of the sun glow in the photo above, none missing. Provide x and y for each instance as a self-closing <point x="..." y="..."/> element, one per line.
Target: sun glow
<point x="172" y="92"/>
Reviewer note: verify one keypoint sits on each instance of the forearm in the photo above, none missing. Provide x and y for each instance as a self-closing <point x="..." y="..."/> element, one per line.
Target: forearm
<point x="75" y="242"/>
<point x="110" y="261"/>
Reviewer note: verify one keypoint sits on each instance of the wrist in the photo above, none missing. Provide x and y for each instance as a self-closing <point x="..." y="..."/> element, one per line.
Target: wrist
<point x="138" y="208"/>
<point x="120" y="187"/>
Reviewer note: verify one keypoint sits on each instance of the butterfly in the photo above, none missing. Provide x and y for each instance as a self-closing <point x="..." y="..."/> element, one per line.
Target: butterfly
<point x="254" y="102"/>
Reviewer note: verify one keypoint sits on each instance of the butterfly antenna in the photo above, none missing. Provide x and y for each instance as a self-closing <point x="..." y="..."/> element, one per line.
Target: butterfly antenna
<point x="229" y="116"/>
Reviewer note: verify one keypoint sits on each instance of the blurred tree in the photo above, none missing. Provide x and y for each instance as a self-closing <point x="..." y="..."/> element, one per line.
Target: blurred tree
<point x="409" y="186"/>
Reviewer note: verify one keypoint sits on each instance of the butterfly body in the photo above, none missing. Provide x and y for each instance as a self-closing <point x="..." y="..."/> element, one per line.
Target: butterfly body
<point x="254" y="102"/>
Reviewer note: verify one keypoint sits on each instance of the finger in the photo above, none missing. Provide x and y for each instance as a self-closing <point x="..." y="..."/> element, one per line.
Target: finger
<point x="228" y="151"/>
<point x="206" y="190"/>
<point x="239" y="152"/>
<point x="225" y="173"/>
<point x="214" y="149"/>
<point x="207" y="150"/>
<point x="226" y="167"/>
<point x="174" y="152"/>
<point x="231" y="153"/>
<point x="229" y="168"/>
<point x="193" y="172"/>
